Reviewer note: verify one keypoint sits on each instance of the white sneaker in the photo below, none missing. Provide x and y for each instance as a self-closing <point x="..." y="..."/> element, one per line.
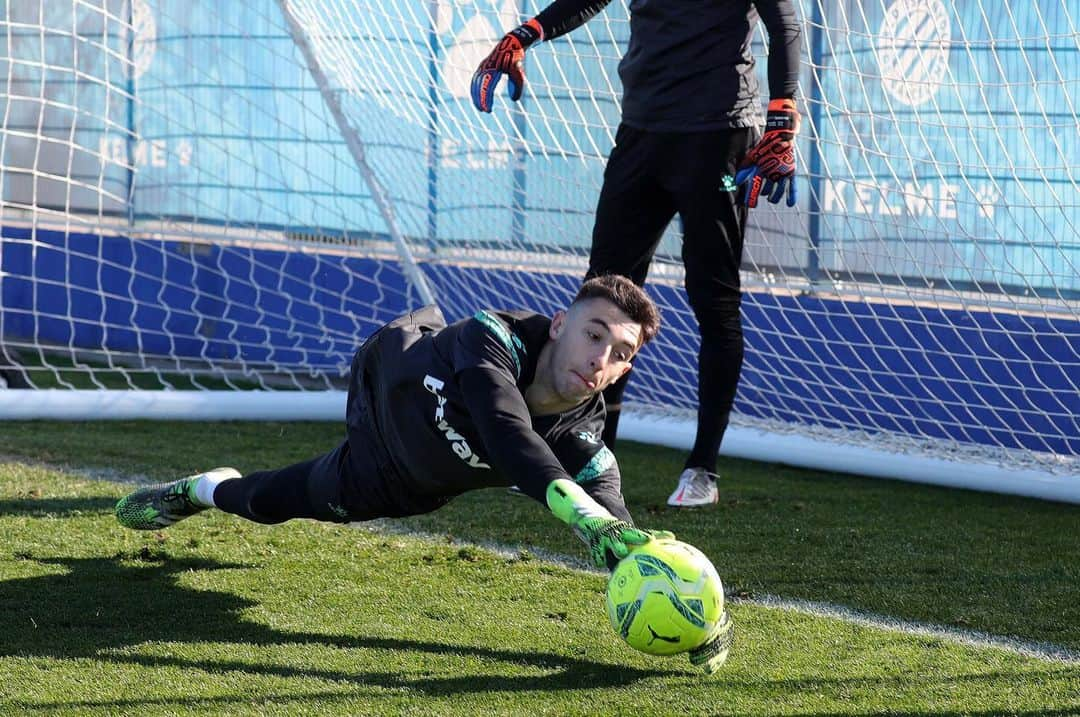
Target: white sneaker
<point x="696" y="487"/>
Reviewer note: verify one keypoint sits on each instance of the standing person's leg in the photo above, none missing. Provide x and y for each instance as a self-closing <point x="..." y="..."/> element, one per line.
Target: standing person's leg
<point x="714" y="223"/>
<point x="631" y="215"/>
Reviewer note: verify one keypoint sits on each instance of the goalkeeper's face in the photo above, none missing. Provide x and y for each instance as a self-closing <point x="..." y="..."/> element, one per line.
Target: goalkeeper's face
<point x="593" y="344"/>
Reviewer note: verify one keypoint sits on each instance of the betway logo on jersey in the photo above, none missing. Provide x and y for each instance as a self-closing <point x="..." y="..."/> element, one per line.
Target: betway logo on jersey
<point x="457" y="441"/>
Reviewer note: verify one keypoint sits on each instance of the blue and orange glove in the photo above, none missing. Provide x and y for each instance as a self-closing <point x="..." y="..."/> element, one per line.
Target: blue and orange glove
<point x="507" y="57"/>
<point x="769" y="168"/>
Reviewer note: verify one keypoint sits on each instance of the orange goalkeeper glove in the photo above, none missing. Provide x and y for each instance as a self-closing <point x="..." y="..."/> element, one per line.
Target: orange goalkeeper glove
<point x="508" y="56"/>
<point x="769" y="168"/>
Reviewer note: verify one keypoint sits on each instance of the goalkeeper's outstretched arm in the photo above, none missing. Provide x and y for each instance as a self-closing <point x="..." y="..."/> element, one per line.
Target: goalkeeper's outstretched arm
<point x="515" y="449"/>
<point x="609" y="539"/>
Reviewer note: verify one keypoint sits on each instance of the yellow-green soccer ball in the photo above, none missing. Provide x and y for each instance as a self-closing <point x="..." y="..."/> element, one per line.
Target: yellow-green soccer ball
<point x="664" y="598"/>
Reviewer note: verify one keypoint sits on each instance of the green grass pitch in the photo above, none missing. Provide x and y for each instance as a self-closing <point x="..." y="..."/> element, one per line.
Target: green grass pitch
<point x="220" y="616"/>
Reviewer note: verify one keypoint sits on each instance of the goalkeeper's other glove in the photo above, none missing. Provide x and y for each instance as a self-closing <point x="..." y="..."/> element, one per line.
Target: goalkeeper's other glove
<point x="507" y="57"/>
<point x="769" y="167"/>
<point x="711" y="654"/>
<point x="609" y="539"/>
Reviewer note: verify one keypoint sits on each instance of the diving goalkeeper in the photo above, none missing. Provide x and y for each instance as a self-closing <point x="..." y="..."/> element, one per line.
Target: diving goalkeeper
<point x="502" y="398"/>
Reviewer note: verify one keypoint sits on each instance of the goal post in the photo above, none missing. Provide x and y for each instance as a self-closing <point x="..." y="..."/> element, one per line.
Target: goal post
<point x="206" y="207"/>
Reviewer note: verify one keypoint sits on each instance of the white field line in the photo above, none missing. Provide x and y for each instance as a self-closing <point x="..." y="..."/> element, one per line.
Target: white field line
<point x="971" y="638"/>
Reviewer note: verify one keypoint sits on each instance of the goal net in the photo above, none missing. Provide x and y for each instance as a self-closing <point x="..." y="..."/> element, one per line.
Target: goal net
<point x="216" y="202"/>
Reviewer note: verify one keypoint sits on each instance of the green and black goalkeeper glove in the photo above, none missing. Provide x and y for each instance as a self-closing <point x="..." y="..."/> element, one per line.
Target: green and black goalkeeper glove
<point x="609" y="539"/>
<point x="714" y="652"/>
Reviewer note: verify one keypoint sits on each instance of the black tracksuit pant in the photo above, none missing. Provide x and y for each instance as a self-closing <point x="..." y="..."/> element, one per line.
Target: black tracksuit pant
<point x="649" y="178"/>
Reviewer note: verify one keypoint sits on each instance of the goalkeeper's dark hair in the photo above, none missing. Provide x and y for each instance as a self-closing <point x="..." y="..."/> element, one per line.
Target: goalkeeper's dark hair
<point x="629" y="297"/>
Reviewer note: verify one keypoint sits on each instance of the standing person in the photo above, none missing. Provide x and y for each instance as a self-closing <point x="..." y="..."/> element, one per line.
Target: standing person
<point x="434" y="411"/>
<point x="688" y="144"/>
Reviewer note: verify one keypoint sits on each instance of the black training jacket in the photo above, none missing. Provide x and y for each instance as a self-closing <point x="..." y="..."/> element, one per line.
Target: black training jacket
<point x="447" y="404"/>
<point x="688" y="66"/>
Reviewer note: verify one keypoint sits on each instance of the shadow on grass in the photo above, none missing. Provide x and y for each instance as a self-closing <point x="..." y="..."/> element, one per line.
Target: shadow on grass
<point x="56" y="507"/>
<point x="100" y="607"/>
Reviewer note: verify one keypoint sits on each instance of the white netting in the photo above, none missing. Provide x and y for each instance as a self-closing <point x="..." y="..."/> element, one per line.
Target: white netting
<point x="190" y="200"/>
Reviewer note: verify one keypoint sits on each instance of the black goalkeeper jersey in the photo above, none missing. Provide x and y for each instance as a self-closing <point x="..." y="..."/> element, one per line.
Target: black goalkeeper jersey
<point x="447" y="403"/>
<point x="688" y="66"/>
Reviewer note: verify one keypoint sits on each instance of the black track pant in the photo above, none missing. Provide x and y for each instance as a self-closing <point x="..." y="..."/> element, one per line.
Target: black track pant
<point x="650" y="177"/>
<point x="349" y="483"/>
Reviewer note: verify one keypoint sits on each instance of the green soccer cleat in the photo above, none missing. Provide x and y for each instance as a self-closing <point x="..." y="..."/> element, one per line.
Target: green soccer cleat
<point x="159" y="506"/>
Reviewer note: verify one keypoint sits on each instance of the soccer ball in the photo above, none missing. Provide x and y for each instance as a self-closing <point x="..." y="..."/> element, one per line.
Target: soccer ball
<point x="665" y="598"/>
